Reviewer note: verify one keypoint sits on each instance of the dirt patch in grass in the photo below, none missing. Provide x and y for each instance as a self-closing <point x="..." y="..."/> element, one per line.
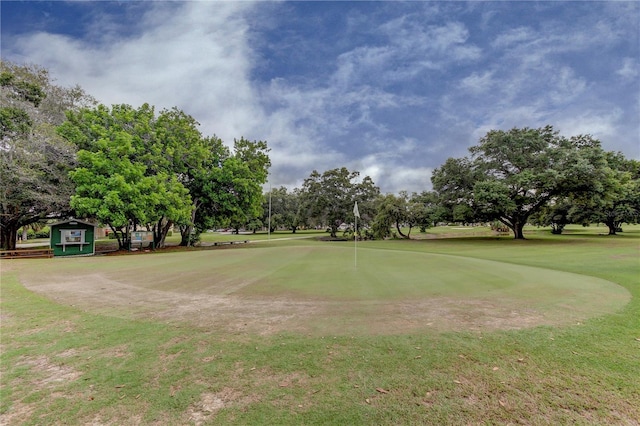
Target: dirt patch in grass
<point x="49" y="373"/>
<point x="18" y="412"/>
<point x="203" y="411"/>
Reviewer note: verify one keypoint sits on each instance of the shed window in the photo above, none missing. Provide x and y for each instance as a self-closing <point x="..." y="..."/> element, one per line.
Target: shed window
<point x="72" y="237"/>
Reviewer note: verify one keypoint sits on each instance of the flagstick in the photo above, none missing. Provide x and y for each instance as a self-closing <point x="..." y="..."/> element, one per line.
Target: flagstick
<point x="269" y="224"/>
<point x="356" y="215"/>
<point x="355" y="244"/>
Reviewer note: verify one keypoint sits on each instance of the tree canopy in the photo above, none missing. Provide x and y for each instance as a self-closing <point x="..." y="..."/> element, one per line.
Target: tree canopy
<point x="285" y="209"/>
<point x="34" y="160"/>
<point x="513" y="174"/>
<point x="136" y="169"/>
<point x="229" y="191"/>
<point x="329" y="197"/>
<point x="397" y="211"/>
<point x="615" y="199"/>
<point x="127" y="174"/>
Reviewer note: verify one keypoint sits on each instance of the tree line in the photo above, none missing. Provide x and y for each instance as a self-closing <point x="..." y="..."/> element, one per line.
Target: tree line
<point x="511" y="178"/>
<point x="63" y="154"/>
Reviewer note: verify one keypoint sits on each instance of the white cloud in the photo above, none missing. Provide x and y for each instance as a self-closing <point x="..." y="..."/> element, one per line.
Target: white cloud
<point x="410" y="48"/>
<point x="513" y="36"/>
<point x="478" y="83"/>
<point x="629" y="69"/>
<point x="508" y="117"/>
<point x="600" y="124"/>
<point x="362" y="61"/>
<point x="195" y="57"/>
<point x="395" y="177"/>
<point x="564" y="86"/>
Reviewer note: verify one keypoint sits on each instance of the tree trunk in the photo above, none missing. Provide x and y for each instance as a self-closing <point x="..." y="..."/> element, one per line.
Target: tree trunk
<point x="9" y="236"/>
<point x="164" y="230"/>
<point x="516" y="224"/>
<point x="611" y="224"/>
<point x="556" y="228"/>
<point x="399" y="231"/>
<point x="517" y="230"/>
<point x="118" y="237"/>
<point x="126" y="237"/>
<point x="185" y="233"/>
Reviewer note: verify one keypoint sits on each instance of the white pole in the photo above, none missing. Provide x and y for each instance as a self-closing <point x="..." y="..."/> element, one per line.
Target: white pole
<point x="355" y="245"/>
<point x="269" y="225"/>
<point x="356" y="215"/>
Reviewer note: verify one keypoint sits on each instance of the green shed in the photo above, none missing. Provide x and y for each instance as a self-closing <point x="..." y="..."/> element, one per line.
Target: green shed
<point x="73" y="238"/>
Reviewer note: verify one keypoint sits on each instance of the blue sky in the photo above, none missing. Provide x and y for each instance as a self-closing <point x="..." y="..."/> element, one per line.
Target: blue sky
<point x="391" y="89"/>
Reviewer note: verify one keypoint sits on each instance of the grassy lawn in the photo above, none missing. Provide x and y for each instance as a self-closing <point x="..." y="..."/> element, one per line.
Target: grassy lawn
<point x="207" y="238"/>
<point x="85" y="360"/>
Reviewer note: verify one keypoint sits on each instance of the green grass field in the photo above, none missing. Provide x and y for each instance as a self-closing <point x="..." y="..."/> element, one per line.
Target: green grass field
<point x="466" y="330"/>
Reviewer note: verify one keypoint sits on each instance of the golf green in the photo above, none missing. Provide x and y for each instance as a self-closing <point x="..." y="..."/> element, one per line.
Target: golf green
<point x="331" y="284"/>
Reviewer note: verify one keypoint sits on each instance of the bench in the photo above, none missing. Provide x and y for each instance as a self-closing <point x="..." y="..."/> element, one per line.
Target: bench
<point x="26" y="253"/>
<point x="225" y="243"/>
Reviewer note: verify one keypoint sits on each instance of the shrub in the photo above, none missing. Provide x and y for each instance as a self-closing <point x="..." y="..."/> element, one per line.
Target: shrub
<point x="43" y="233"/>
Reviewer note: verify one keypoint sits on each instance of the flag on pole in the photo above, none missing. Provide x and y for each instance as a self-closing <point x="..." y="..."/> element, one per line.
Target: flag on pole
<point x="356" y="213"/>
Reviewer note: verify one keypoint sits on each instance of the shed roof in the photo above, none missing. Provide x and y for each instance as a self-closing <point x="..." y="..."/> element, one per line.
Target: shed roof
<point x="73" y="222"/>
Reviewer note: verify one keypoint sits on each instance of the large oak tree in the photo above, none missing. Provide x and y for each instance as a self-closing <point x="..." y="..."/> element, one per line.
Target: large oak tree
<point x="138" y="169"/>
<point x="512" y="174"/>
<point x="34" y="160"/>
<point x="131" y="167"/>
<point x="228" y="191"/>
<point x="329" y="197"/>
<point x="616" y="198"/>
<point x="284" y="207"/>
<point x="399" y="211"/>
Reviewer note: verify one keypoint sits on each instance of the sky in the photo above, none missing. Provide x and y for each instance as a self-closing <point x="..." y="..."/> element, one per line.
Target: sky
<point x="390" y="89"/>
